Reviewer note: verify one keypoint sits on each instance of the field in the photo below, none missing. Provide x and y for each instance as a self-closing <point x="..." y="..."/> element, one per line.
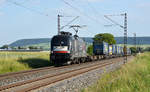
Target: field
<point x="18" y="61"/>
<point x="45" y="46"/>
<point x="133" y="77"/>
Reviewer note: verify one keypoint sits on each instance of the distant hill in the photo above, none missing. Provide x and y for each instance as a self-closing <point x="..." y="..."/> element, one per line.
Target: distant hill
<point x="139" y="40"/>
<point x="120" y="40"/>
<point x="26" y="42"/>
<point x="46" y="41"/>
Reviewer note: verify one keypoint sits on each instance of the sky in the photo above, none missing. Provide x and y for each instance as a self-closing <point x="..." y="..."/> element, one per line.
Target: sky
<point x="23" y="19"/>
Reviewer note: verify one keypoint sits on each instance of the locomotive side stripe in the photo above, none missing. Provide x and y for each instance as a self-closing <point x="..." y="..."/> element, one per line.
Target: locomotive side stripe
<point x="61" y="51"/>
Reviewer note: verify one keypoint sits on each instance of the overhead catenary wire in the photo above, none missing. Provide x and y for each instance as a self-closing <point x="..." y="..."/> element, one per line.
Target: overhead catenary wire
<point x="30" y="9"/>
<point x="113" y="21"/>
<point x="69" y="22"/>
<point x="47" y="15"/>
<point x="79" y="11"/>
<point x="94" y="10"/>
<point x="25" y="1"/>
<point x="96" y="13"/>
<point x="39" y="12"/>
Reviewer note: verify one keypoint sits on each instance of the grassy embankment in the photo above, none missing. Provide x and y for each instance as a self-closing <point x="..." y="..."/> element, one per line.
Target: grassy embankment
<point x="133" y="77"/>
<point x="18" y="61"/>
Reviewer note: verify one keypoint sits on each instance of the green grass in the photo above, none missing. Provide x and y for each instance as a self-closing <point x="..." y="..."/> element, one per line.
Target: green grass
<point x="19" y="61"/>
<point x="133" y="77"/>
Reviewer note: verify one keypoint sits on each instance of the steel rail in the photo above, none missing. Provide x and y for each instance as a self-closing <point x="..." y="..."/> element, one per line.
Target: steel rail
<point x="36" y="79"/>
<point x="50" y="76"/>
<point x="63" y="76"/>
<point x="14" y="74"/>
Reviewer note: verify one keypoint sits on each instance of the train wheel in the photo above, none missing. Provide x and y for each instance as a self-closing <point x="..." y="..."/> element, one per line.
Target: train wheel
<point x="79" y="60"/>
<point x="83" y="60"/>
<point x="76" y="61"/>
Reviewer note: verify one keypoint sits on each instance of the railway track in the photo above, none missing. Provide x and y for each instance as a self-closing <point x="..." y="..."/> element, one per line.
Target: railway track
<point x="28" y="85"/>
<point x="23" y="75"/>
<point x="12" y="78"/>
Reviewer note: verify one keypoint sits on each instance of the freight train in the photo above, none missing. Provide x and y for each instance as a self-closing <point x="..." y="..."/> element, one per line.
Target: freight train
<point x="105" y="49"/>
<point x="68" y="49"/>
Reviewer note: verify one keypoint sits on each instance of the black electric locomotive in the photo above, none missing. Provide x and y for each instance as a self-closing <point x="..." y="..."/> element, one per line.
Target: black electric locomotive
<point x="67" y="49"/>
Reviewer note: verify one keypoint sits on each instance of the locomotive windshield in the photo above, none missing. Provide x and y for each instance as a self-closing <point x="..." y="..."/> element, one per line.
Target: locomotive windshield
<point x="60" y="41"/>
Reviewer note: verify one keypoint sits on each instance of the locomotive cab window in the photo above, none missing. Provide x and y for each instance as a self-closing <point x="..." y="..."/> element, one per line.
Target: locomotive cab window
<point x="60" y="41"/>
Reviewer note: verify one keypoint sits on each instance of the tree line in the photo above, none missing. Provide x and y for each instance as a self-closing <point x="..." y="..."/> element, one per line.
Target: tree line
<point x="6" y="47"/>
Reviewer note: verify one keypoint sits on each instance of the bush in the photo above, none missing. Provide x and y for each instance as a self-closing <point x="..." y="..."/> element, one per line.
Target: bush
<point x="90" y="50"/>
<point x="133" y="50"/>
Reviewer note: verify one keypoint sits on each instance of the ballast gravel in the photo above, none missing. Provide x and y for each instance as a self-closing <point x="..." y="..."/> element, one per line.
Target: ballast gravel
<point x="77" y="83"/>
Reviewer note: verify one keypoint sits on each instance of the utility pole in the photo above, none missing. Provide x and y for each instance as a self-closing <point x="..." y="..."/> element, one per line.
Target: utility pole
<point x="125" y="31"/>
<point x="135" y="40"/>
<point x="139" y="46"/>
<point x="59" y="25"/>
<point x="125" y="37"/>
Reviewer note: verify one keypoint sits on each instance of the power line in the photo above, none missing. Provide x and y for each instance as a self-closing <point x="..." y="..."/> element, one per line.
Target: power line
<point x="97" y="14"/>
<point x="25" y="1"/>
<point x="30" y="9"/>
<point x="69" y="22"/>
<point x="106" y="16"/>
<point x="78" y="10"/>
<point x="125" y="31"/>
<point x="94" y="10"/>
